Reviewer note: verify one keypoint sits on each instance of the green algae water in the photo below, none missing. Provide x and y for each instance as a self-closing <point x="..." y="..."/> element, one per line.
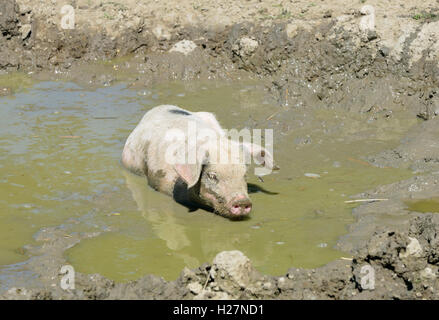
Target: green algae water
<point x="60" y="159"/>
<point x="424" y="205"/>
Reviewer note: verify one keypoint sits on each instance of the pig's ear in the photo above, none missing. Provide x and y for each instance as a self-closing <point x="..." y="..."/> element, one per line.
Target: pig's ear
<point x="190" y="173"/>
<point x="260" y="155"/>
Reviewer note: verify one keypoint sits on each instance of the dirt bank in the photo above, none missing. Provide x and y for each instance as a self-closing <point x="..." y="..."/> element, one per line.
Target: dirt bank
<point x="332" y="49"/>
<point x="321" y="54"/>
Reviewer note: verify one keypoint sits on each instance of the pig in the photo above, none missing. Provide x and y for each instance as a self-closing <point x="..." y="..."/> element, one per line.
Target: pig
<point x="161" y="145"/>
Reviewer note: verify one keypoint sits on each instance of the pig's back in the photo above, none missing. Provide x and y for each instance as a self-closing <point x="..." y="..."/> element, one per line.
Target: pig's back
<point x="145" y="148"/>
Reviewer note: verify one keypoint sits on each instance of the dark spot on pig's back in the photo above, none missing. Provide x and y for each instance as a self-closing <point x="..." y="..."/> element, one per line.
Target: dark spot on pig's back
<point x="178" y="111"/>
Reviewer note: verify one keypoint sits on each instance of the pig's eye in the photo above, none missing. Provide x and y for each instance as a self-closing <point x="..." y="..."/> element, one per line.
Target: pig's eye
<point x="212" y="176"/>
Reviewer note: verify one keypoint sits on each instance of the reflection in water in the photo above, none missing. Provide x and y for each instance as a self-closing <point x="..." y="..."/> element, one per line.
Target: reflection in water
<point x="161" y="217"/>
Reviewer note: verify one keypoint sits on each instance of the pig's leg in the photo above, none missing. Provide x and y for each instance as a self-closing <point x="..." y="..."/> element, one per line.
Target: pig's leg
<point x="133" y="161"/>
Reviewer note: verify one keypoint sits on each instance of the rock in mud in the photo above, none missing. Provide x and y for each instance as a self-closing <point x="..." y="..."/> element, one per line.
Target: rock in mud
<point x="184" y="46"/>
<point x="25" y="30"/>
<point x="245" y="47"/>
<point x="195" y="287"/>
<point x="231" y="272"/>
<point x="233" y="265"/>
<point x="412" y="249"/>
<point x="161" y="33"/>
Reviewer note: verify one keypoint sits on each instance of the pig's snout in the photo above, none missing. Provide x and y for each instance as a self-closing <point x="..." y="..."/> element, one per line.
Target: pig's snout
<point x="240" y="206"/>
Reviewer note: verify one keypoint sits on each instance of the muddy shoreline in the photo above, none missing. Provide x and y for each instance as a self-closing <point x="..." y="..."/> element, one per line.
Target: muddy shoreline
<point x="319" y="57"/>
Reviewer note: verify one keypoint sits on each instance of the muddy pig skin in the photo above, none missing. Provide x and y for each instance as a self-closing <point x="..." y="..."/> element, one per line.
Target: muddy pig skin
<point x="179" y="152"/>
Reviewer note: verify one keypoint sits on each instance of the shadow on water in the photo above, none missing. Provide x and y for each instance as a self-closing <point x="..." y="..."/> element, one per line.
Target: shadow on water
<point x="254" y="188"/>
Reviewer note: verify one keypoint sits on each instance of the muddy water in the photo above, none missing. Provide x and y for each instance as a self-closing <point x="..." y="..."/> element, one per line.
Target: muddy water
<point x="60" y="150"/>
<point x="424" y="205"/>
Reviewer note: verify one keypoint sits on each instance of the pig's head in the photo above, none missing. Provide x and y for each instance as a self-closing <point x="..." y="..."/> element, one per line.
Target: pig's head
<point x="222" y="186"/>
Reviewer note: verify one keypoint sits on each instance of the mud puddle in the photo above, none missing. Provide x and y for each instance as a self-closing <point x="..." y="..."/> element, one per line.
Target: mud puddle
<point x="61" y="146"/>
<point x="424" y="205"/>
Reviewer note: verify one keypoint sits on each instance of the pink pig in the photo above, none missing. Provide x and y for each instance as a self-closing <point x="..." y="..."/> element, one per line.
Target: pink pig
<point x="182" y="154"/>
